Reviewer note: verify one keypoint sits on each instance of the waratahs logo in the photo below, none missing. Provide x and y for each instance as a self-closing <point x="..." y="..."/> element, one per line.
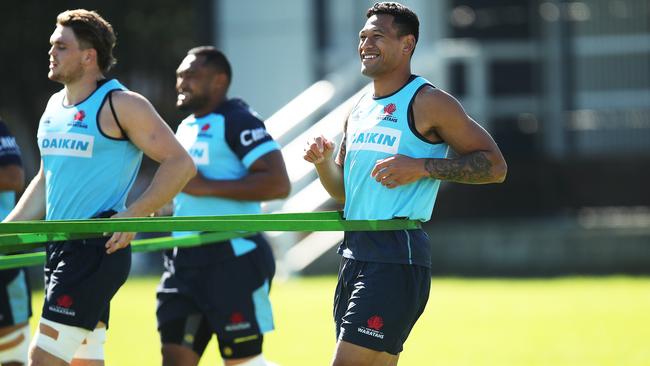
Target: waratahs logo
<point x="63" y="305"/>
<point x="204" y="131"/>
<point x="389" y="109"/>
<point x="237" y="323"/>
<point x="236" y="318"/>
<point x="375" y="322"/>
<point x="78" y="120"/>
<point x="79" y="116"/>
<point x="64" y="301"/>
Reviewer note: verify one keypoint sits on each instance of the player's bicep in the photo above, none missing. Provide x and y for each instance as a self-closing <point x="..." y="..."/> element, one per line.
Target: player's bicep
<point x="145" y="128"/>
<point x="453" y="125"/>
<point x="269" y="163"/>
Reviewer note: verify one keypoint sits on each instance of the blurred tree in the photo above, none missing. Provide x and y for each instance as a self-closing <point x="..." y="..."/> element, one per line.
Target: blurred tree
<point x="152" y="38"/>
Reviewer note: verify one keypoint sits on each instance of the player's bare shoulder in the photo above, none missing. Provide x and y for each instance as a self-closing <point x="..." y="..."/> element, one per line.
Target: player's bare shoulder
<point x="433" y="108"/>
<point x="133" y="108"/>
<point x="129" y="100"/>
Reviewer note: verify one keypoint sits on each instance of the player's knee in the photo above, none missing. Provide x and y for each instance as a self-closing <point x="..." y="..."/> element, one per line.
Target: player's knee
<point x="254" y="361"/>
<point x="40" y="357"/>
<point x="176" y="355"/>
<point x="241" y="347"/>
<point x="14" y="347"/>
<point x="92" y="347"/>
<point x="58" y="340"/>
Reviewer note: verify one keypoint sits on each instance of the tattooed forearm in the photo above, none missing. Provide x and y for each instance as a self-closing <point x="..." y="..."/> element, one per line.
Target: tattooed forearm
<point x="471" y="168"/>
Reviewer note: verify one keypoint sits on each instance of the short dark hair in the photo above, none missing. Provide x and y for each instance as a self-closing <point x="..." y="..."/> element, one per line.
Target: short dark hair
<point x="214" y="58"/>
<point x="405" y="20"/>
<point x="92" y="31"/>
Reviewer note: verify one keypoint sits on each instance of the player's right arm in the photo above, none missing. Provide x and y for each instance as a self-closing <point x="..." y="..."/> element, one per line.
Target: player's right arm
<point x="12" y="175"/>
<point x="31" y="205"/>
<point x="320" y="152"/>
<point x="12" y="178"/>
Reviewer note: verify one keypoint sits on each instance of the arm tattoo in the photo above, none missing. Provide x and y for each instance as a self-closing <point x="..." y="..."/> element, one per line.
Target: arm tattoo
<point x="340" y="158"/>
<point x="471" y="168"/>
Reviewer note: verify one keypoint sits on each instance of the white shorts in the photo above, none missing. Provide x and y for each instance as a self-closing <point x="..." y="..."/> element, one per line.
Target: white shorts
<point x="68" y="342"/>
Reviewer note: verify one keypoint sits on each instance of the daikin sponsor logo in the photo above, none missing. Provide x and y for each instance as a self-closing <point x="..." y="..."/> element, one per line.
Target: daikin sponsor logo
<point x="200" y="153"/>
<point x="381" y="139"/>
<point x="67" y="144"/>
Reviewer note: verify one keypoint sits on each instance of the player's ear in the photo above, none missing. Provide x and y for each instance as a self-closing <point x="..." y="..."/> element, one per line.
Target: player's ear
<point x="408" y="44"/>
<point x="220" y="80"/>
<point x="90" y="56"/>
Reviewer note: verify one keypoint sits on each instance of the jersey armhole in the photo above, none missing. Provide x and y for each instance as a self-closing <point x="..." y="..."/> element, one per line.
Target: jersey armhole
<point x="109" y="96"/>
<point x="411" y="118"/>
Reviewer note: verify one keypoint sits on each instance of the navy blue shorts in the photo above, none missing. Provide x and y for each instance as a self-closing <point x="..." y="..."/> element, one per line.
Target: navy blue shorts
<point x="15" y="297"/>
<point x="377" y="304"/>
<point x="232" y="295"/>
<point x="81" y="279"/>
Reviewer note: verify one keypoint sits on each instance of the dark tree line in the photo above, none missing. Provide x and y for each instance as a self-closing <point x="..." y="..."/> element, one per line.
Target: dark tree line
<point x="152" y="38"/>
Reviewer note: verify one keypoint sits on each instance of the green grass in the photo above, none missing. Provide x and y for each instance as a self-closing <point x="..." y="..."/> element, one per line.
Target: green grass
<point x="569" y="321"/>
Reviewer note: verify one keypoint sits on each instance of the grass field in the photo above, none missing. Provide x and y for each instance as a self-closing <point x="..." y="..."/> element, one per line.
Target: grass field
<point x="568" y="321"/>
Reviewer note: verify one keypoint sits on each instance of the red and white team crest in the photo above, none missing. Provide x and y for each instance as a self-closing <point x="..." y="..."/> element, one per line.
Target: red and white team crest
<point x="390" y="108"/>
<point x="79" y="116"/>
<point x="237" y="322"/>
<point x="63" y="305"/>
<point x="375" y="323"/>
<point x="64" y="301"/>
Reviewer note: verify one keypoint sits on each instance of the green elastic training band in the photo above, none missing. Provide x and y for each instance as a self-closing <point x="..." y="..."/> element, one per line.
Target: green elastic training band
<point x="21" y="242"/>
<point x="22" y="260"/>
<point x="141" y="246"/>
<point x="324" y="221"/>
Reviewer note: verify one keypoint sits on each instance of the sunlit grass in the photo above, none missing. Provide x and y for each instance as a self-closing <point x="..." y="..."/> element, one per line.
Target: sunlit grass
<point x="570" y="321"/>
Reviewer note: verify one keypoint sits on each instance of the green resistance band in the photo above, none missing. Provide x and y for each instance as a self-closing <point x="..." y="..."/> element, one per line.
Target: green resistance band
<point x="319" y="221"/>
<point x="143" y="245"/>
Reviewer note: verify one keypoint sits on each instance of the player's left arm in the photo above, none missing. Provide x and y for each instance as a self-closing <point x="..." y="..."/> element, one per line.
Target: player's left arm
<point x="147" y="130"/>
<point x="267" y="179"/>
<point x="438" y="114"/>
<point x="12" y="178"/>
<point x="12" y="174"/>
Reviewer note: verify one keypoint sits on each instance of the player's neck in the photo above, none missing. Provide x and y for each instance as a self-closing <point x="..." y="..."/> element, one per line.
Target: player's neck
<point x="78" y="90"/>
<point x="390" y="83"/>
<point x="210" y="107"/>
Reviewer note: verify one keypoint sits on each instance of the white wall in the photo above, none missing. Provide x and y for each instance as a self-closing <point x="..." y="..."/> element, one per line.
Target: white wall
<point x="269" y="45"/>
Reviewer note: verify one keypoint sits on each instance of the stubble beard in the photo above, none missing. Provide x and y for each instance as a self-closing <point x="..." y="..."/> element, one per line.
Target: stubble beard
<point x="66" y="78"/>
<point x="192" y="104"/>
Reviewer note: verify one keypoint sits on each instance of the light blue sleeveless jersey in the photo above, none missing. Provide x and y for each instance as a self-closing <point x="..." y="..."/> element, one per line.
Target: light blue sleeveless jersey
<point x="86" y="172"/>
<point x="378" y="128"/>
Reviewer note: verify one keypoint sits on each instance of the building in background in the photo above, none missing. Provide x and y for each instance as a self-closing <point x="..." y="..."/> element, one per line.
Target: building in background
<point x="563" y="86"/>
